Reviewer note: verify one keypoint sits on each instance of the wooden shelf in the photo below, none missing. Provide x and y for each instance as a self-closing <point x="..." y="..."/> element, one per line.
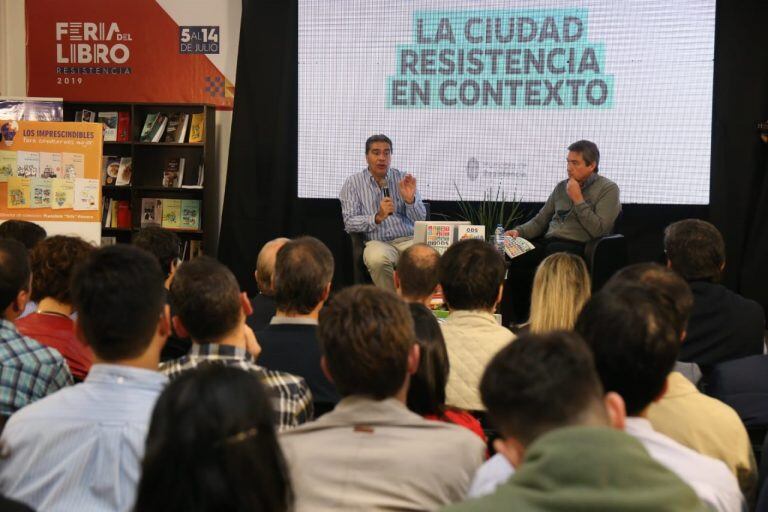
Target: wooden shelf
<point x="166" y="144"/>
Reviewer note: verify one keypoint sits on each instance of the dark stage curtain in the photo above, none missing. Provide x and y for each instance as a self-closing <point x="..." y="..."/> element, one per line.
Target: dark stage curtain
<point x="261" y="204"/>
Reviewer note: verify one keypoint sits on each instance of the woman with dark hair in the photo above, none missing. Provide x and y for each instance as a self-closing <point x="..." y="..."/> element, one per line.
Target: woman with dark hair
<point x="212" y="446"/>
<point x="53" y="261"/>
<point x="426" y="394"/>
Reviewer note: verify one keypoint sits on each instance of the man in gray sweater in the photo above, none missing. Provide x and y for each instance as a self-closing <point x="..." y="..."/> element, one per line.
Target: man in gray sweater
<point x="581" y="208"/>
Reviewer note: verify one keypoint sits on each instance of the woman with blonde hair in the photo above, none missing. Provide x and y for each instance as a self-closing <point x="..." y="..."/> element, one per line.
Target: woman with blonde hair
<point x="561" y="287"/>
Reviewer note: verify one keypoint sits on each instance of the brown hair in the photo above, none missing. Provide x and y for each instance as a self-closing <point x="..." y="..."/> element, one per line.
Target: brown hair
<point x="695" y="249"/>
<point x="366" y="334"/>
<point x="303" y="268"/>
<point x="53" y="261"/>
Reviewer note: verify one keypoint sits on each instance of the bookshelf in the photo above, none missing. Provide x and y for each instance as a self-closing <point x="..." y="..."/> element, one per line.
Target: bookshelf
<point x="149" y="161"/>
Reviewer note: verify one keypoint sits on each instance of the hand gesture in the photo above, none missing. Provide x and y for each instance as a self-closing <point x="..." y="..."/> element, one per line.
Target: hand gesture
<point x="407" y="188"/>
<point x="573" y="189"/>
<point x="513" y="233"/>
<point x="386" y="208"/>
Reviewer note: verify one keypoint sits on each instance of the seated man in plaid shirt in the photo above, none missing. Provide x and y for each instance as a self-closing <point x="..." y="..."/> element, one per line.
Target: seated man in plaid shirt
<point x="209" y="307"/>
<point x="28" y="370"/>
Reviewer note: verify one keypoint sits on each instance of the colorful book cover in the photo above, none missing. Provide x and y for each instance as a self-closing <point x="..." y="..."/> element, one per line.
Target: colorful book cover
<point x="123" y="126"/>
<point x="149" y="122"/>
<point x="125" y="171"/>
<point x="173" y="130"/>
<point x="151" y="212"/>
<point x="86" y="194"/>
<point x="440" y="236"/>
<point x="109" y="120"/>
<point x="171" y="213"/>
<point x="41" y="193"/>
<point x="7" y="165"/>
<point x="466" y="232"/>
<point x="110" y="169"/>
<point x="62" y="193"/>
<point x="50" y="165"/>
<point x="27" y="164"/>
<point x="19" y="192"/>
<point x="159" y="128"/>
<point x="197" y="130"/>
<point x="190" y="214"/>
<point x="73" y="165"/>
<point x="172" y="173"/>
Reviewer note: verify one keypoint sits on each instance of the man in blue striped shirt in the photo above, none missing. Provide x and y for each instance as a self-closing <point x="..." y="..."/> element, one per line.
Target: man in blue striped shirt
<point x="382" y="203"/>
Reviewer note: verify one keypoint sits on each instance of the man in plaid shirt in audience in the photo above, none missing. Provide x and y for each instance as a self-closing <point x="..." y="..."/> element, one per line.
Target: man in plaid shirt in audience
<point x="210" y="308"/>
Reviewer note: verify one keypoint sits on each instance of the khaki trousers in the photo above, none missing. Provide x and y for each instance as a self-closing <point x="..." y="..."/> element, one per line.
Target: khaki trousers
<point x="381" y="260"/>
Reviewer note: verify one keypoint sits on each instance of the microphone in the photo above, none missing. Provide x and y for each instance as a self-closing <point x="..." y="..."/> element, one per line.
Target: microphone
<point x="385" y="190"/>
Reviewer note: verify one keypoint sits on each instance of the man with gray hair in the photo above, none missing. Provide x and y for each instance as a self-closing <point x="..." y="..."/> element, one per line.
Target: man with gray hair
<point x="263" y="304"/>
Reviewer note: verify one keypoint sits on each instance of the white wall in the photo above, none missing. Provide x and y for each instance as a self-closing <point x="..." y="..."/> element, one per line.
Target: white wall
<point x="13" y="80"/>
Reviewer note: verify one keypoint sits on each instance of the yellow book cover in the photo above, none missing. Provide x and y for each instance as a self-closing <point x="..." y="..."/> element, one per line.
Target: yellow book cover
<point x="62" y="193"/>
<point x="197" y="130"/>
<point x="7" y="165"/>
<point x="19" y="192"/>
<point x="171" y="213"/>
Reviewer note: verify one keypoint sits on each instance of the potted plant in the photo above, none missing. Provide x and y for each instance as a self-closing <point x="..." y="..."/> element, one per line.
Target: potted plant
<point x="492" y="210"/>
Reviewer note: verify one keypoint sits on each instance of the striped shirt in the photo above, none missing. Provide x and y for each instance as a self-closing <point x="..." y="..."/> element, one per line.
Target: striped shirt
<point x="81" y="448"/>
<point x="360" y="199"/>
<point x="291" y="397"/>
<point x="28" y="370"/>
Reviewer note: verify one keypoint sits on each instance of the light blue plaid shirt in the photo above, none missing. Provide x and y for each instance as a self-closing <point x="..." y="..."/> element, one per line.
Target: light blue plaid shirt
<point x="81" y="448"/>
<point x="28" y="370"/>
<point x="360" y="198"/>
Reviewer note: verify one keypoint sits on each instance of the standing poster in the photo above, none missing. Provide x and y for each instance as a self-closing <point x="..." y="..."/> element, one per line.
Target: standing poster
<point x="155" y="51"/>
<point x="49" y="173"/>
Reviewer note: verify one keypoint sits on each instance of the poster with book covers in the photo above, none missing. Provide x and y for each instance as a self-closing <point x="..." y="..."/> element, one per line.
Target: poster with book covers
<point x="55" y="177"/>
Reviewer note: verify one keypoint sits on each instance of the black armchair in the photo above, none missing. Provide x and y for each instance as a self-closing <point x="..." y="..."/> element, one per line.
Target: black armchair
<point x="604" y="256"/>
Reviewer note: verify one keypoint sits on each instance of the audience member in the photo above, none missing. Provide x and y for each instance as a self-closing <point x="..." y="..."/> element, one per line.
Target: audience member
<point x="53" y="261"/>
<point x="635" y="345"/>
<point x="164" y="245"/>
<point x="723" y="325"/>
<point x="416" y="274"/>
<point x="561" y="287"/>
<point x="29" y="234"/>
<point x="683" y="413"/>
<point x="743" y="384"/>
<point x="554" y="428"/>
<point x="302" y="283"/>
<point x="209" y="308"/>
<point x="80" y="448"/>
<point x="263" y="304"/>
<point x="371" y="452"/>
<point x="472" y="275"/>
<point x="28" y="370"/>
<point x="426" y="394"/>
<point x="212" y="446"/>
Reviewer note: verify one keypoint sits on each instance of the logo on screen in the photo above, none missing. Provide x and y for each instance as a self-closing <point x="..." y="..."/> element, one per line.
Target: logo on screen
<point x="473" y="169"/>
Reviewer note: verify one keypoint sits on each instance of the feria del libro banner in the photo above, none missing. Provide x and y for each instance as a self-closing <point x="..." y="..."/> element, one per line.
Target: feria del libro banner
<point x="161" y="51"/>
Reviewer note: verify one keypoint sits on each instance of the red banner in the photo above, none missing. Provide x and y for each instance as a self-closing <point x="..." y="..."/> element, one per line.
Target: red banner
<point x="92" y="50"/>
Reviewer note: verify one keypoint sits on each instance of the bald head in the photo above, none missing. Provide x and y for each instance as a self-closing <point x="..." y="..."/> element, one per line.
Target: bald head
<point x="416" y="276"/>
<point x="265" y="264"/>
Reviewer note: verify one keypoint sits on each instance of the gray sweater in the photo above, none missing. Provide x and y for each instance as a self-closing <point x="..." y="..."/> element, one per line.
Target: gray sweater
<point x="560" y="218"/>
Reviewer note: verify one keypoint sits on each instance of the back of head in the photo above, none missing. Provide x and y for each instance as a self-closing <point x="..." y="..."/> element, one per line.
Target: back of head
<point x="541" y="382"/>
<point x="212" y="446"/>
<point x="471" y="272"/>
<point x="561" y="287"/>
<point x="119" y="295"/>
<point x="695" y="249"/>
<point x="265" y="264"/>
<point x="53" y="260"/>
<point x="28" y="233"/>
<point x="162" y="243"/>
<point x="14" y="271"/>
<point x="303" y="270"/>
<point x="426" y="394"/>
<point x="417" y="271"/>
<point x="633" y="341"/>
<point x="673" y="292"/>
<point x="206" y="297"/>
<point x="366" y="335"/>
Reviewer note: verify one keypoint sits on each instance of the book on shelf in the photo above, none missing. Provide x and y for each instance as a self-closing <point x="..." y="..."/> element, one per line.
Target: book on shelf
<point x="151" y="212"/>
<point x="177" y="127"/>
<point x="123" y="126"/>
<point x="88" y="116"/>
<point x="171" y="213"/>
<point x="108" y="240"/>
<point x="123" y="214"/>
<point x="110" y="169"/>
<point x="173" y="174"/>
<point x="190" y="214"/>
<point x="197" y="130"/>
<point x="191" y="249"/>
<point x="109" y="120"/>
<point x="125" y="171"/>
<point x="154" y="127"/>
<point x="200" y="175"/>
